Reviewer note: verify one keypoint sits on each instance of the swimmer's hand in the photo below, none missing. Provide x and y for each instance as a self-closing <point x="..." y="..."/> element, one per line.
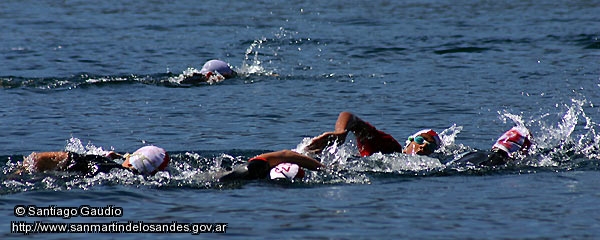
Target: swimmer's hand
<point x="320" y="142"/>
<point x="113" y="155"/>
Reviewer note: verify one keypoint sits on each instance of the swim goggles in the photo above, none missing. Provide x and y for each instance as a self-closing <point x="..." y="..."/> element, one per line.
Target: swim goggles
<point x="421" y="140"/>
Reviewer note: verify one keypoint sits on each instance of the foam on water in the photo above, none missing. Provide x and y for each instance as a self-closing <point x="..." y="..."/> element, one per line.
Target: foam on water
<point x="559" y="146"/>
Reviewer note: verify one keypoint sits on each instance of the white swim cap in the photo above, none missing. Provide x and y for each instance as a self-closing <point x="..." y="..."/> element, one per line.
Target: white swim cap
<point x="287" y="170"/>
<point x="217" y="66"/>
<point x="149" y="159"/>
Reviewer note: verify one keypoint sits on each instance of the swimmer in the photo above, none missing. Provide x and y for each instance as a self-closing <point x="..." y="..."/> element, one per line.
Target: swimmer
<point x="146" y="161"/>
<point x="513" y="143"/>
<point x="212" y="71"/>
<point x="370" y="140"/>
<point x="284" y="164"/>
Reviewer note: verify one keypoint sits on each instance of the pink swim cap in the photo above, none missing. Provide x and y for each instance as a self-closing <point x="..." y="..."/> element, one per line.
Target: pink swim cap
<point x="217" y="66"/>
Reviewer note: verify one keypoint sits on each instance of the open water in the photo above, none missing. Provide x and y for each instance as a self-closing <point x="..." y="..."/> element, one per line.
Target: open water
<point x="91" y="76"/>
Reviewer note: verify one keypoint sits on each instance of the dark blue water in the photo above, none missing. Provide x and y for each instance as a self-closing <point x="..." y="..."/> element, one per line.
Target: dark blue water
<point x="93" y="76"/>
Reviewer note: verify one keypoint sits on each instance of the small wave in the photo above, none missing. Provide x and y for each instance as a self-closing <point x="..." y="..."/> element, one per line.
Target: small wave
<point x="462" y="50"/>
<point x="79" y="81"/>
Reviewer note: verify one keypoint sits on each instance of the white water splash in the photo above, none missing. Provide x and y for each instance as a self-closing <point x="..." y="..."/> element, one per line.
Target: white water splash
<point x="75" y="145"/>
<point x="563" y="141"/>
<point x="191" y="72"/>
<point x="572" y="132"/>
<point x="449" y="135"/>
<point x="556" y="134"/>
<point x="252" y="64"/>
<point x="345" y="157"/>
<point x="399" y="163"/>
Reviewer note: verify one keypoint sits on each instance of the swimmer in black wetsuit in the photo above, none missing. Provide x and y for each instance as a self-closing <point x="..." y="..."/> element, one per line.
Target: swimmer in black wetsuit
<point x="513" y="142"/>
<point x="280" y="164"/>
<point x="147" y="161"/>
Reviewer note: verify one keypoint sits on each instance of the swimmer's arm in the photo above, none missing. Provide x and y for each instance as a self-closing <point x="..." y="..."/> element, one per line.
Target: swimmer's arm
<point x="346" y="122"/>
<point x="350" y="122"/>
<point x="44" y="161"/>
<point x="317" y="144"/>
<point x="287" y="156"/>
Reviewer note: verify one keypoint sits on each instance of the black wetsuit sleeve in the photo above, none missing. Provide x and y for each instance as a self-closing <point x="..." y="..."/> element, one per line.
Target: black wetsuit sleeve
<point x="90" y="164"/>
<point x="497" y="157"/>
<point x="485" y="158"/>
<point x="258" y="169"/>
<point x="252" y="170"/>
<point x="238" y="173"/>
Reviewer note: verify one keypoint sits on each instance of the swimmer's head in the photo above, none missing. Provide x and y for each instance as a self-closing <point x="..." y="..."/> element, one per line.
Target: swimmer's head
<point x="423" y="142"/>
<point x="514" y="140"/>
<point x="287" y="171"/>
<point x="217" y="66"/>
<point x="147" y="160"/>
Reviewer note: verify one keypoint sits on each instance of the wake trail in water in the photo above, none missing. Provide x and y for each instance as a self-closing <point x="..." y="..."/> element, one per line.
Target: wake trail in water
<point x="568" y="144"/>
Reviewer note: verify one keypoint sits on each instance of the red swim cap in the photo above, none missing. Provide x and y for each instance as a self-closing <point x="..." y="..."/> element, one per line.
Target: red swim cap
<point x="430" y="132"/>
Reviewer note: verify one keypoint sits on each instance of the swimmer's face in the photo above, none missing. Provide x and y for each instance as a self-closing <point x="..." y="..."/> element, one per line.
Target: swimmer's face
<point x="126" y="163"/>
<point x="424" y="146"/>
